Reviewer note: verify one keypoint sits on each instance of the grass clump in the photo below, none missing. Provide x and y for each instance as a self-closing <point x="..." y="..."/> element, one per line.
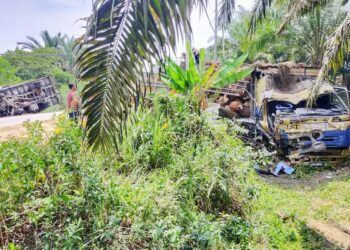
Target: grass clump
<point x="177" y="182"/>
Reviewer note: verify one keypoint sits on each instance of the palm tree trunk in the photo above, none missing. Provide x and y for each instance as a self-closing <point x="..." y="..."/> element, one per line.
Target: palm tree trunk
<point x="223" y="45"/>
<point x="216" y="32"/>
<point x="188" y="38"/>
<point x="223" y="38"/>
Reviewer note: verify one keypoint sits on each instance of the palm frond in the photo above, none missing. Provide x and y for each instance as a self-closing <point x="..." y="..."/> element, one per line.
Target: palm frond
<point x="45" y="36"/>
<point x="35" y="42"/>
<point x="67" y="47"/>
<point x="26" y="45"/>
<point x="258" y="13"/>
<point x="337" y="48"/>
<point x="116" y="48"/>
<point x="299" y="8"/>
<point x="51" y="41"/>
<point x="31" y="44"/>
<point x="226" y="12"/>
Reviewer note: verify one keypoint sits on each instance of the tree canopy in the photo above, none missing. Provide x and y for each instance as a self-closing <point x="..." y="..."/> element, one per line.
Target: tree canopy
<point x="303" y="41"/>
<point x="29" y="65"/>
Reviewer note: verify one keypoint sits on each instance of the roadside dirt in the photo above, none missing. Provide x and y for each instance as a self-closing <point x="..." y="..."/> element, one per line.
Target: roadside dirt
<point x="20" y="132"/>
<point x="309" y="182"/>
<point x="332" y="233"/>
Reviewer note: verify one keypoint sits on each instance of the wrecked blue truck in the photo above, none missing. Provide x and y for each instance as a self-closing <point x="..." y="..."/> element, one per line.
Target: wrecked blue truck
<point x="284" y="120"/>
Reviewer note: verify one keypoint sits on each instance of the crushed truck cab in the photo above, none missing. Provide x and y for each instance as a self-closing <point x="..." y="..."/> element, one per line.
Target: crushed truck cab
<point x="301" y="131"/>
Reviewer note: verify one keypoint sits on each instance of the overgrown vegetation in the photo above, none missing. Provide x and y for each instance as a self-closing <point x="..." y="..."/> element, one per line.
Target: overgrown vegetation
<point x="177" y="183"/>
<point x="176" y="180"/>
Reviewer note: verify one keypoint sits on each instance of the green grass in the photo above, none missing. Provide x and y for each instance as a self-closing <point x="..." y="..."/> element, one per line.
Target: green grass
<point x="285" y="211"/>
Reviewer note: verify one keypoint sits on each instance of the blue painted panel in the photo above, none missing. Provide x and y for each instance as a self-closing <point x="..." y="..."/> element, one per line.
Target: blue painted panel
<point x="332" y="139"/>
<point x="336" y="139"/>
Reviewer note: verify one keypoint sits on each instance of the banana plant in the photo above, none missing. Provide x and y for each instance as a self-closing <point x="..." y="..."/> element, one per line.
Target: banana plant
<point x="196" y="80"/>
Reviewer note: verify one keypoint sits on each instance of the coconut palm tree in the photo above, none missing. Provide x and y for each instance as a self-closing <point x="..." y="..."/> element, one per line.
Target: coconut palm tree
<point x="66" y="46"/>
<point x="224" y="12"/>
<point x="313" y="31"/>
<point x="48" y="41"/>
<point x="337" y="45"/>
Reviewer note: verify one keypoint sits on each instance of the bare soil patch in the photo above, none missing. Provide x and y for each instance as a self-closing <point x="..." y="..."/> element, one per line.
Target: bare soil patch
<point x="332" y="233"/>
<point x="20" y="132"/>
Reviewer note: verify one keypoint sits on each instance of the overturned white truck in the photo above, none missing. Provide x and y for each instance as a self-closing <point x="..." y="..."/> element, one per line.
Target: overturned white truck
<point x="28" y="97"/>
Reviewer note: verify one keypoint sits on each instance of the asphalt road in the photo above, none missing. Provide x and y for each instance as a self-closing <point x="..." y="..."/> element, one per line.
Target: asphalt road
<point x="17" y="120"/>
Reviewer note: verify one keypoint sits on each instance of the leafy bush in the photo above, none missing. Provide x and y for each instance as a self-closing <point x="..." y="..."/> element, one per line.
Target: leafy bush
<point x="177" y="183"/>
<point x="7" y="73"/>
<point x="62" y="77"/>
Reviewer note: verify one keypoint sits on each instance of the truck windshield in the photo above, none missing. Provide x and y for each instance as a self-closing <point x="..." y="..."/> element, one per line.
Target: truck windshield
<point x="325" y="105"/>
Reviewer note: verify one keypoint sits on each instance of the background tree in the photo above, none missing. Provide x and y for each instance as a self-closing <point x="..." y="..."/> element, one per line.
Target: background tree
<point x="54" y="56"/>
<point x="264" y="40"/>
<point x="67" y="48"/>
<point x="337" y="44"/>
<point x="48" y="41"/>
<point x="224" y="12"/>
<point x="313" y="31"/>
<point x="302" y="41"/>
<point x="231" y="45"/>
<point x="42" y="62"/>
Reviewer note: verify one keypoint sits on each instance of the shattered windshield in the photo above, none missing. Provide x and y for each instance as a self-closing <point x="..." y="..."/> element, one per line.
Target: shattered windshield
<point x="325" y="105"/>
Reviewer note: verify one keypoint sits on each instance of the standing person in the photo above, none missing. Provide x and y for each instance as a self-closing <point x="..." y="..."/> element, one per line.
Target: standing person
<point x="196" y="55"/>
<point x="183" y="61"/>
<point x="73" y="102"/>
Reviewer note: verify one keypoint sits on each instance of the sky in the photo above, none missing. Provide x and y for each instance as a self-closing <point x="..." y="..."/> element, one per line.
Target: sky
<point x="21" y="18"/>
<point x="202" y="31"/>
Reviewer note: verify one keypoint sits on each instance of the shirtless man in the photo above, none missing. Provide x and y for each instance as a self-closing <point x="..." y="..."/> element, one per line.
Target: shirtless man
<point x="73" y="102"/>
